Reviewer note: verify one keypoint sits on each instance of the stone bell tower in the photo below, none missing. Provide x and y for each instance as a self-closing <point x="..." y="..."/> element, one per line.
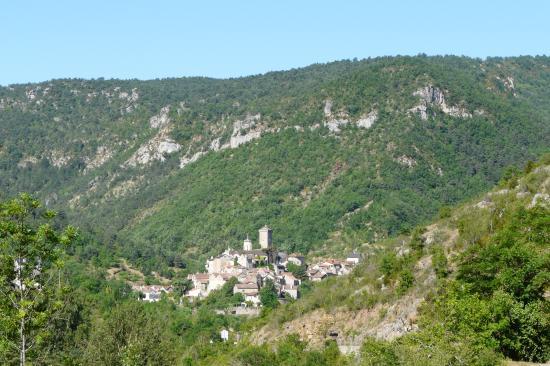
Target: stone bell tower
<point x="247" y="244"/>
<point x="266" y="239"/>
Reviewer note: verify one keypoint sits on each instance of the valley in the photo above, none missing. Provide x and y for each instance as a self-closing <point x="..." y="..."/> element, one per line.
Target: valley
<point x="407" y="200"/>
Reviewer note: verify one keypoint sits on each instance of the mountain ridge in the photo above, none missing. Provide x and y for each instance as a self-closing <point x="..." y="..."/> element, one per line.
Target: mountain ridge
<point x="395" y="131"/>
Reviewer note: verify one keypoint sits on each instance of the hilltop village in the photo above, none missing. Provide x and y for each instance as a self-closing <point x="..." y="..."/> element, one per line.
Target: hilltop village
<point x="254" y="268"/>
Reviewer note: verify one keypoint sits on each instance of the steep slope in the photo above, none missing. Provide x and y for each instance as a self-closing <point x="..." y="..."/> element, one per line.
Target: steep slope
<point x="330" y="155"/>
<point x="480" y="281"/>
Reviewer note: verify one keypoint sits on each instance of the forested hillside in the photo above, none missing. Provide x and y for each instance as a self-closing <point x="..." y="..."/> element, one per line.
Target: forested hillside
<point x="470" y="288"/>
<point x="167" y="172"/>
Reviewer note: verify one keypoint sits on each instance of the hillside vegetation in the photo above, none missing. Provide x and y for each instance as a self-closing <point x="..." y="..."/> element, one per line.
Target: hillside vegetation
<point x="168" y="172"/>
<point x="469" y="289"/>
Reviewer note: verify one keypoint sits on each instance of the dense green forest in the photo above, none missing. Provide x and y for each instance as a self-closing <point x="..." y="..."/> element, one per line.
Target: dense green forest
<point x="487" y="299"/>
<point x="108" y="154"/>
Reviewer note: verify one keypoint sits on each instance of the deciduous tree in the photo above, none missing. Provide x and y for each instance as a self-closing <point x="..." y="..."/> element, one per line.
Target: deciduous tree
<point x="31" y="285"/>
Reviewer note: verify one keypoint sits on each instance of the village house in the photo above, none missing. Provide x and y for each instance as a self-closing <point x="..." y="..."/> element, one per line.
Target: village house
<point x="281" y="259"/>
<point x="291" y="291"/>
<point x="265" y="274"/>
<point x="200" y="285"/>
<point x="289" y="284"/>
<point x="289" y="279"/>
<point x="297" y="259"/>
<point x="354" y="258"/>
<point x="221" y="263"/>
<point x="151" y="293"/>
<point x="329" y="266"/>
<point x="216" y="281"/>
<point x="315" y="275"/>
<point x="250" y="276"/>
<point x="250" y="292"/>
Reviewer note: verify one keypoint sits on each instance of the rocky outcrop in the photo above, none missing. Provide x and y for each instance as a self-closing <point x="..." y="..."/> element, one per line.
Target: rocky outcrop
<point x="125" y="187"/>
<point x="58" y="158"/>
<point x="327" y="110"/>
<point x="244" y="131"/>
<point x="154" y="149"/>
<point x="542" y="199"/>
<point x="160" y="120"/>
<point x="349" y="328"/>
<point x="103" y="154"/>
<point x="27" y="161"/>
<point x="184" y="161"/>
<point x="130" y="99"/>
<point x="406" y="161"/>
<point x="334" y="124"/>
<point x="434" y="97"/>
<point x="334" y="121"/>
<point x="215" y="144"/>
<point x="160" y="145"/>
<point x="508" y="83"/>
<point x="366" y="121"/>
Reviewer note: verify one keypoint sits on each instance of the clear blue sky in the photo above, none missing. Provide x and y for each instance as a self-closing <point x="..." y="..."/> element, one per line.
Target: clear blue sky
<point x="45" y="39"/>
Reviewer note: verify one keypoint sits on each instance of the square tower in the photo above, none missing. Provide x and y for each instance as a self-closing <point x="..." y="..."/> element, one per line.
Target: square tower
<point x="265" y="237"/>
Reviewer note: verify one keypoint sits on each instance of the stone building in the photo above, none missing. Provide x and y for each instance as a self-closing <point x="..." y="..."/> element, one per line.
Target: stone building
<point x="247" y="244"/>
<point x="266" y="237"/>
<point x="151" y="293"/>
<point x="250" y="292"/>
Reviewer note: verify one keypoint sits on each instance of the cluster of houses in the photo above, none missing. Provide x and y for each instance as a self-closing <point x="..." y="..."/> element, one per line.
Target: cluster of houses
<point x="253" y="268"/>
<point x="332" y="267"/>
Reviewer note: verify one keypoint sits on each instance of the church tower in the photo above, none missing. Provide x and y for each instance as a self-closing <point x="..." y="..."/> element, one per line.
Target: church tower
<point x="247" y="244"/>
<point x="265" y="237"/>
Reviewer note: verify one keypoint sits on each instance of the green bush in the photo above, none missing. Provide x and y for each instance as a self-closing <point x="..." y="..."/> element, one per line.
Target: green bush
<point x="378" y="353"/>
<point x="439" y="262"/>
<point x="406" y="280"/>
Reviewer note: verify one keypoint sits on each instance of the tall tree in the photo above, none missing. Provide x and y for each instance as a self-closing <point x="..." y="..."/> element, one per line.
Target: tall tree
<point x="268" y="295"/>
<point x="31" y="286"/>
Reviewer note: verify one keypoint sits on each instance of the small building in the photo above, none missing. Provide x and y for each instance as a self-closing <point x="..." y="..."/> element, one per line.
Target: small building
<point x="329" y="266"/>
<point x="216" y="281"/>
<point x="317" y="276"/>
<point x="296" y="259"/>
<point x="265" y="274"/>
<point x="291" y="291"/>
<point x="281" y="260"/>
<point x="250" y="292"/>
<point x="151" y="293"/>
<point x="200" y="284"/>
<point x="289" y="279"/>
<point x="249" y="276"/>
<point x="221" y="263"/>
<point x="353" y="258"/>
<point x="345" y="269"/>
<point x="224" y="335"/>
